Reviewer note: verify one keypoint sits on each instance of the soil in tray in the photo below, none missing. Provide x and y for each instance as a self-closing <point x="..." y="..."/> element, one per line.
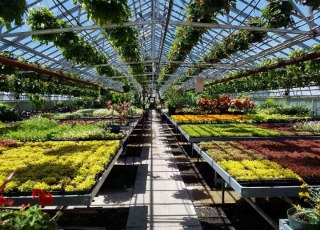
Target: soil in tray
<point x="120" y="177"/>
<point x="113" y="218"/>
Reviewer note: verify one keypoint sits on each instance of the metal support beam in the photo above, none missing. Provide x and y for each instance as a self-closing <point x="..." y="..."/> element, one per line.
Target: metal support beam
<point x="161" y="22"/>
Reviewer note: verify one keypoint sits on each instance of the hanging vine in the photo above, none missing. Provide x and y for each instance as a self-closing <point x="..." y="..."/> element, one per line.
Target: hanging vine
<point x="124" y="40"/>
<point x="276" y="14"/>
<point x="11" y="80"/>
<point x="73" y="47"/>
<point x="12" y="11"/>
<point x="297" y="75"/>
<point x="188" y="37"/>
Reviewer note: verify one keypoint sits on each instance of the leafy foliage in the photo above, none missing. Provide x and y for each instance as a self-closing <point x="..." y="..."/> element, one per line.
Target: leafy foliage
<point x="72" y="45"/>
<point x="30" y="218"/>
<point x="276" y="14"/>
<point x="45" y="129"/>
<point x="8" y="113"/>
<point x="12" y="11"/>
<point x="227" y="130"/>
<point x="223" y="104"/>
<point x="176" y="98"/>
<point x="188" y="37"/>
<point x="37" y="101"/>
<point x="124" y="40"/>
<point x="298" y="75"/>
<point x="55" y="166"/>
<point x="245" y="164"/>
<point x="36" y="83"/>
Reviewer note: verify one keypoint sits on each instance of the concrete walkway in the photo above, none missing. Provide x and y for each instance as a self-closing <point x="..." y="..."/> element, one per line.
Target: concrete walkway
<point x="160" y="199"/>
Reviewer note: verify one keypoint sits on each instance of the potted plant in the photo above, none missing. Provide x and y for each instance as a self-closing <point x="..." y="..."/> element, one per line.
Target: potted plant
<point x="306" y="218"/>
<point x="122" y="110"/>
<point x="28" y="217"/>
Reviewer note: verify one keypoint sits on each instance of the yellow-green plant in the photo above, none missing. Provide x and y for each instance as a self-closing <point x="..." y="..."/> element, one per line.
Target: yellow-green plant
<point x="310" y="195"/>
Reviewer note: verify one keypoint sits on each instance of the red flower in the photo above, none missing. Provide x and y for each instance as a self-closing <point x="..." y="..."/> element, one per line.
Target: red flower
<point x="44" y="198"/>
<point x="2" y="200"/>
<point x="5" y="202"/>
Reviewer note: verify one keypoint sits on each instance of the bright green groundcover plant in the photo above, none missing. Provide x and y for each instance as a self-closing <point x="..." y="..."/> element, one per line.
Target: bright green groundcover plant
<point x="55" y="166"/>
<point x="227" y="130"/>
<point x="42" y="129"/>
<point x="244" y="164"/>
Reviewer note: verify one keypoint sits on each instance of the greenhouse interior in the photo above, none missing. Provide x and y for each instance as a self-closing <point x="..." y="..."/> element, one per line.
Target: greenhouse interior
<point x="160" y="114"/>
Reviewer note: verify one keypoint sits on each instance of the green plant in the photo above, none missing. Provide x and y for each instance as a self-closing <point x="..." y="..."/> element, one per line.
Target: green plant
<point x="311" y="215"/>
<point x="8" y="113"/>
<point x="124" y="40"/>
<point x="41" y="129"/>
<point x="276" y="14"/>
<point x="37" y="101"/>
<point x="227" y="130"/>
<point x="293" y="110"/>
<point x="176" y="98"/>
<point x="12" y="10"/>
<point x="314" y="3"/>
<point x="269" y="103"/>
<point x="28" y="217"/>
<point x="188" y="37"/>
<point x="73" y="46"/>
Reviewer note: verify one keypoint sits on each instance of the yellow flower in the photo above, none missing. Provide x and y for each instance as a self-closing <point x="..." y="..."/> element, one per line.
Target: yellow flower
<point x="304" y="194"/>
<point x="304" y="185"/>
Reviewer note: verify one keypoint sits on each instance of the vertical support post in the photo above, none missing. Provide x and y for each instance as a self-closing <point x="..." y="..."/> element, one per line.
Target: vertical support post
<point x="215" y="178"/>
<point x="222" y="191"/>
<point x="191" y="148"/>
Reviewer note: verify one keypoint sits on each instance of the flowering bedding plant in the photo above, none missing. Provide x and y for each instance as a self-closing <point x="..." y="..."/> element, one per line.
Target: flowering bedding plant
<point x="227" y="130"/>
<point x="286" y="159"/>
<point x="28" y="217"/>
<point x="42" y="129"/>
<point x="55" y="166"/>
<point x="223" y="104"/>
<point x="301" y="156"/>
<point x="244" y="164"/>
<point x="308" y="126"/>
<point x="209" y="118"/>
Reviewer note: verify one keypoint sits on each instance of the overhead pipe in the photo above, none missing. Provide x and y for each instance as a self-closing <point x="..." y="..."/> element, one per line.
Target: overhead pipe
<point x="277" y="65"/>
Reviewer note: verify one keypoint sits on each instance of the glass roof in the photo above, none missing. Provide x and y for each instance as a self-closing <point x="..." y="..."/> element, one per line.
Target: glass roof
<point x="155" y="41"/>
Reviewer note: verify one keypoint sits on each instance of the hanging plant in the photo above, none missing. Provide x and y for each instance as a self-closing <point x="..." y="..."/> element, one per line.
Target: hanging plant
<point x="124" y="40"/>
<point x="315" y="4"/>
<point x="276" y="14"/>
<point x="256" y="36"/>
<point x="12" y="11"/>
<point x="73" y="47"/>
<point x="105" y="12"/>
<point x="188" y="37"/>
<point x="39" y="83"/>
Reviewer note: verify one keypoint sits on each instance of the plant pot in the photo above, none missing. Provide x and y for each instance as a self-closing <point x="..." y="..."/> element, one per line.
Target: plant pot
<point x="297" y="225"/>
<point x="114" y="128"/>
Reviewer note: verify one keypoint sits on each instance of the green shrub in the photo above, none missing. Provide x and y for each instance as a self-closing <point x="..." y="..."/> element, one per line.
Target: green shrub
<point x="293" y="110"/>
<point x="8" y="113"/>
<point x="269" y="103"/>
